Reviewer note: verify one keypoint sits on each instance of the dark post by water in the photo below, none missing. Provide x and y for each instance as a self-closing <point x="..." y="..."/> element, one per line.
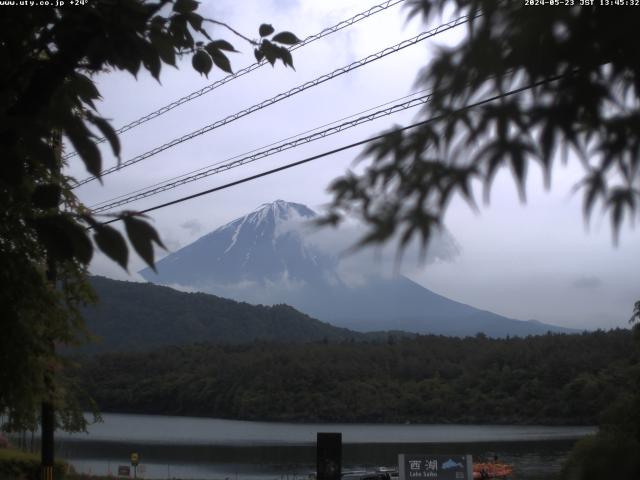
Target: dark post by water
<point x="329" y="456"/>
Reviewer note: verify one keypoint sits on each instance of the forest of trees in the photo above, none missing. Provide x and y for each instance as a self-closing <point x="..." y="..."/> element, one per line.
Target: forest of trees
<point x="551" y="379"/>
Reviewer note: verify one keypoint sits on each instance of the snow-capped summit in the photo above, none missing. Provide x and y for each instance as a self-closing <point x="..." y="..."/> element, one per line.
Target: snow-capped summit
<point x="265" y="246"/>
<point x="283" y="211"/>
<point x="270" y="220"/>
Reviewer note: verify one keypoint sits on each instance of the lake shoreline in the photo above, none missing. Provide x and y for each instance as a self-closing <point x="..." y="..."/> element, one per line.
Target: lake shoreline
<point x="315" y="421"/>
<point x="136" y="427"/>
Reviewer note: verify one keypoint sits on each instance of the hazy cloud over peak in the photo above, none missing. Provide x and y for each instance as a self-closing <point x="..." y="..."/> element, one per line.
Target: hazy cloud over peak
<point x="587" y="282"/>
<point x="193" y="226"/>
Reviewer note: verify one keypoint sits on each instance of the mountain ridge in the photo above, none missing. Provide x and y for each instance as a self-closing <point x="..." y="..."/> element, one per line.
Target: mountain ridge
<point x="134" y="316"/>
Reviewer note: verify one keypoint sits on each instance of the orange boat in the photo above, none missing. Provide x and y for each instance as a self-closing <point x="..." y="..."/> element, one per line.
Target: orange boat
<point x="492" y="470"/>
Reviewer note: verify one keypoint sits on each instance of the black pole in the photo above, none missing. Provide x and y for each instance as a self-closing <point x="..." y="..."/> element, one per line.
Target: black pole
<point x="47" y="440"/>
<point x="48" y="414"/>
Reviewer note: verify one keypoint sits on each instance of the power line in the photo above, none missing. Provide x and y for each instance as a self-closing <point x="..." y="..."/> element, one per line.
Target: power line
<point x="248" y="153"/>
<point x="255" y="150"/>
<point x="347" y="147"/>
<point x="282" y="96"/>
<point x="171" y="184"/>
<point x="218" y="83"/>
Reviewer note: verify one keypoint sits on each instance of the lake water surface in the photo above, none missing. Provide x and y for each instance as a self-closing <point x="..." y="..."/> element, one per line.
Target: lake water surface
<point x="186" y="447"/>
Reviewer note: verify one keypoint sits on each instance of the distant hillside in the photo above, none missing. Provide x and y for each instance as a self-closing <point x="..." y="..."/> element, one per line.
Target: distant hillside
<point x="138" y="316"/>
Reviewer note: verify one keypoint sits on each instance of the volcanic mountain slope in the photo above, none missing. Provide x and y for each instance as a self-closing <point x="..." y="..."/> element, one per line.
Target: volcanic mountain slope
<point x="269" y="257"/>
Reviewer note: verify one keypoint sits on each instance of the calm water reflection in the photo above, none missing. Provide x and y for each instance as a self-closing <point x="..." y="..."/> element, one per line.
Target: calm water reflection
<point x="184" y="447"/>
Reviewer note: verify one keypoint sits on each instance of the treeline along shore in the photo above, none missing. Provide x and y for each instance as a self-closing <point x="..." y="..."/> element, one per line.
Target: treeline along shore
<point x="555" y="379"/>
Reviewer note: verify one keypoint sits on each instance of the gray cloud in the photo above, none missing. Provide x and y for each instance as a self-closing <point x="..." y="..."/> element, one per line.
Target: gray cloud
<point x="193" y="226"/>
<point x="356" y="266"/>
<point x="587" y="282"/>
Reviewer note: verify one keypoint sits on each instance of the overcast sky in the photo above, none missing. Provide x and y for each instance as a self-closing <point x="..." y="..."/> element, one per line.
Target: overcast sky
<point x="533" y="261"/>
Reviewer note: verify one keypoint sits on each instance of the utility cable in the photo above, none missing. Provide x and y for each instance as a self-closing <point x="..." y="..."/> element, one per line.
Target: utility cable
<point x="235" y="157"/>
<point x="218" y="83"/>
<point x="346" y="147"/>
<point x="250" y="152"/>
<point x="282" y="96"/>
<point x="169" y="185"/>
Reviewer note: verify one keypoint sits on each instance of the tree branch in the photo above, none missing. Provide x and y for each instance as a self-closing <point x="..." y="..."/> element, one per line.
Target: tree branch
<point x="222" y="24"/>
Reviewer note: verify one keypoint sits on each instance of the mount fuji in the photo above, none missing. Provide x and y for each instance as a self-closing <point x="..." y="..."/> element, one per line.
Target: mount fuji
<point x="269" y="257"/>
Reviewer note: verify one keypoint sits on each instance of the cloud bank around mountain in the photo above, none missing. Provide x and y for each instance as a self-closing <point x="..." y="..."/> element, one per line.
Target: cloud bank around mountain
<point x="356" y="265"/>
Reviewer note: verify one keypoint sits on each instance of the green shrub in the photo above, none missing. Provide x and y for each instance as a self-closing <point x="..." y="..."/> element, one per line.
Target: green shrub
<point x="603" y="456"/>
<point x="17" y="465"/>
